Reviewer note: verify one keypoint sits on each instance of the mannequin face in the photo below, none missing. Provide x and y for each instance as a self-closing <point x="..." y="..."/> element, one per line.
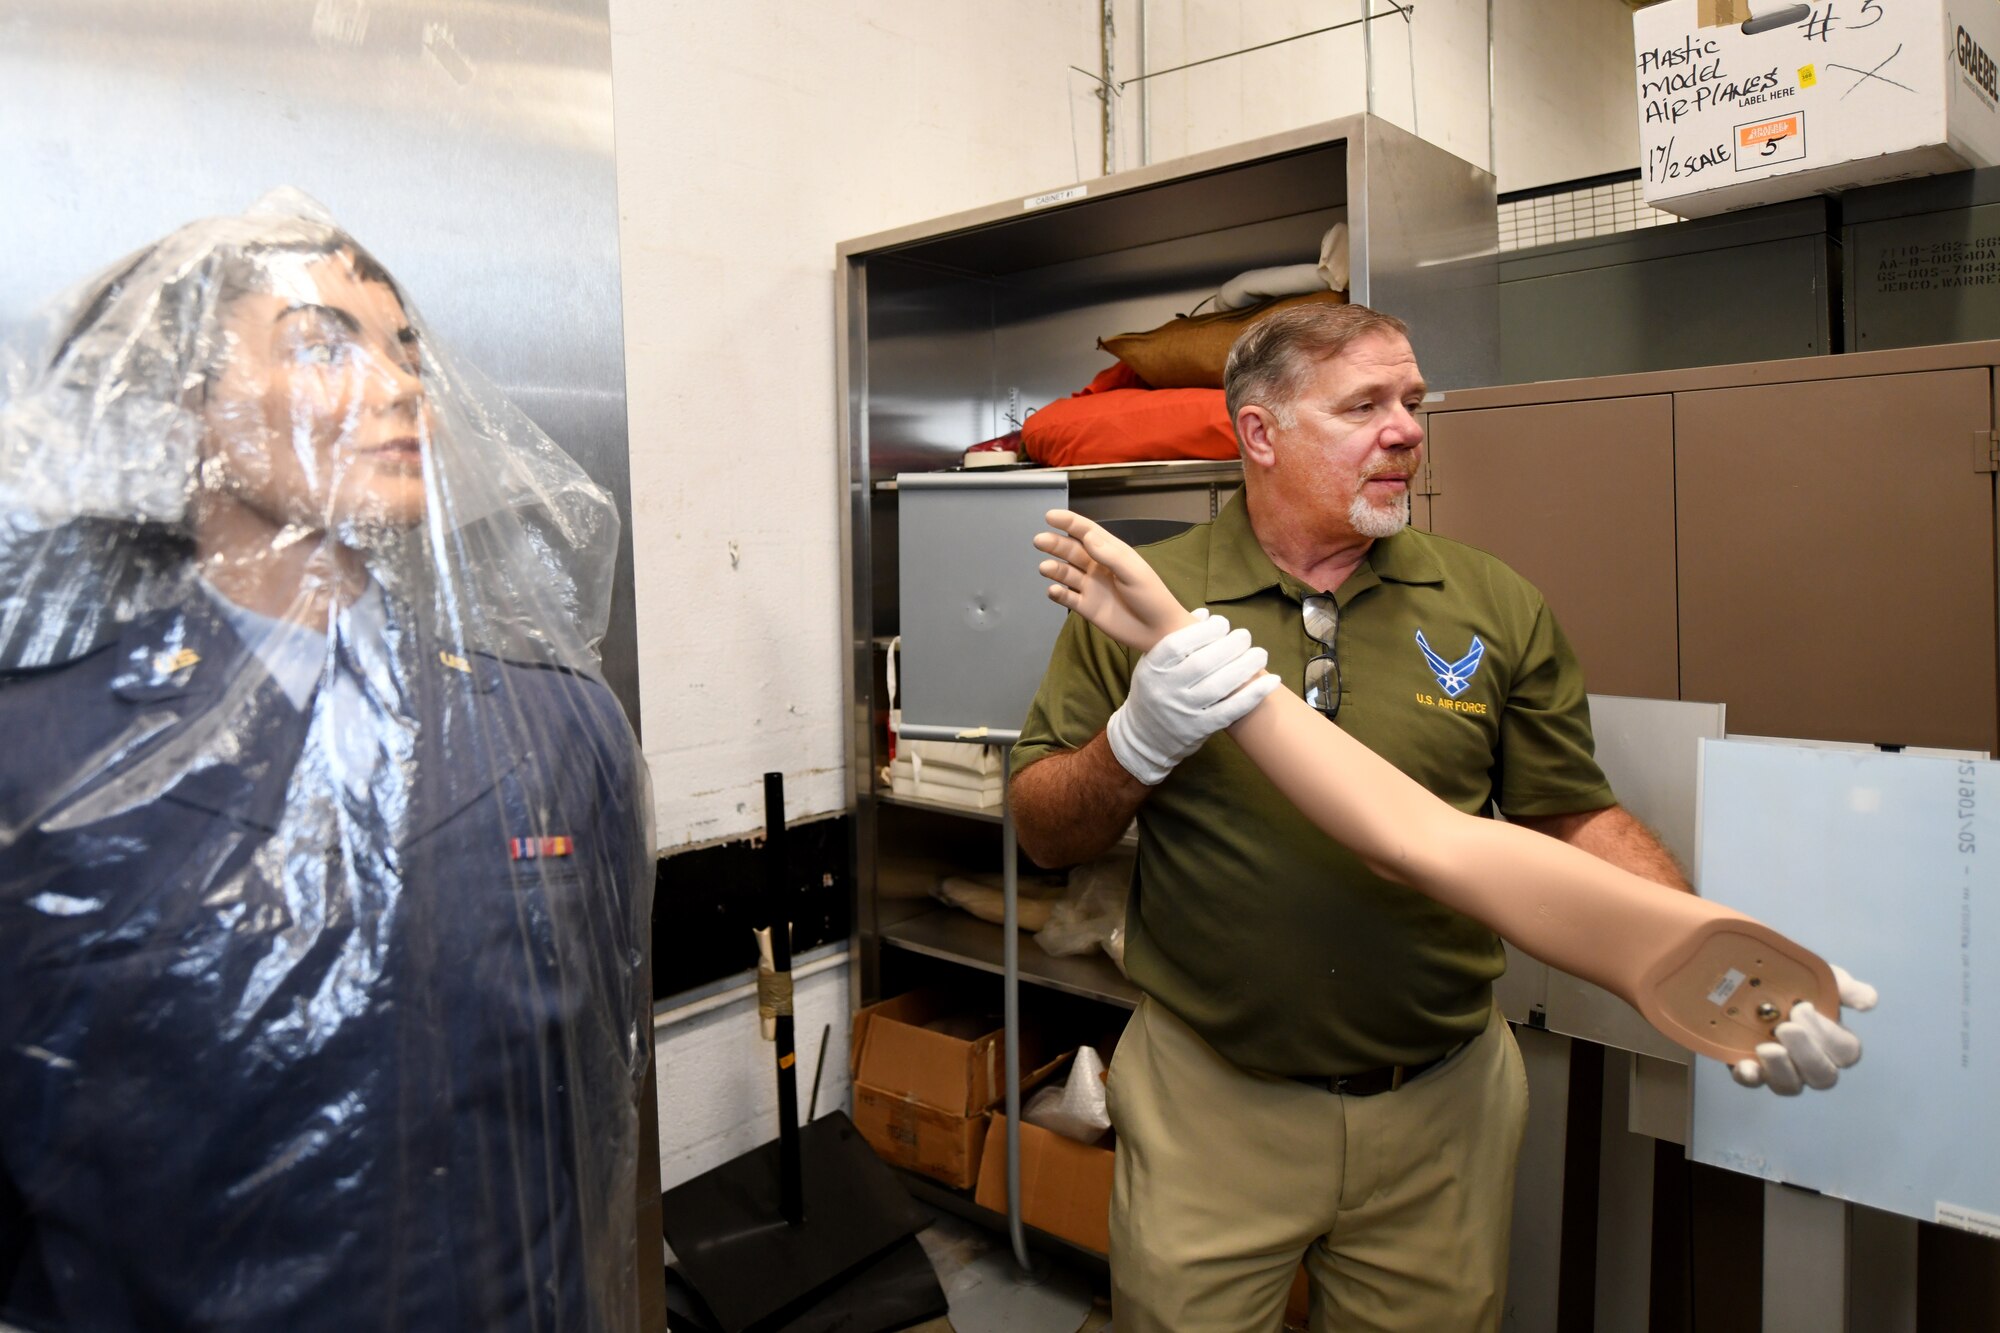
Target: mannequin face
<point x="317" y="419"/>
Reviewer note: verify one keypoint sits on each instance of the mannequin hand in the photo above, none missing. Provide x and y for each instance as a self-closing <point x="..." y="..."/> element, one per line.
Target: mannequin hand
<point x="1192" y="684"/>
<point x="1811" y="1049"/>
<point x="1107" y="582"/>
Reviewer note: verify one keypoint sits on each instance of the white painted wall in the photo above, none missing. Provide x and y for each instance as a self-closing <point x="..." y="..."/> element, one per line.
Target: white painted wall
<point x="1440" y="52"/>
<point x="752" y="138"/>
<point x="1563" y="75"/>
<point x="1568" y="108"/>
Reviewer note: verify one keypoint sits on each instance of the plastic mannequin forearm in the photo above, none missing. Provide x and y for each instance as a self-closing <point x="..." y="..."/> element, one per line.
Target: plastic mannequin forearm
<point x="1676" y="958"/>
<point x="1562" y="906"/>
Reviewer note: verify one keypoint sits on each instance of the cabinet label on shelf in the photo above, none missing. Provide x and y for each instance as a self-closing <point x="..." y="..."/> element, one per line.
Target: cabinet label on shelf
<point x="1055" y="197"/>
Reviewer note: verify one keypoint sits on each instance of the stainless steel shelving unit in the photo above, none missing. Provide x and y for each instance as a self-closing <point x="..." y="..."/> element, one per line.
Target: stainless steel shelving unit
<point x="950" y="330"/>
<point x="992" y="816"/>
<point x="957" y="937"/>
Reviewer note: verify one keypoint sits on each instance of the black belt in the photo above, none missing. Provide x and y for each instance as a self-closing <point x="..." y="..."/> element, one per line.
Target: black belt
<point x="1371" y="1081"/>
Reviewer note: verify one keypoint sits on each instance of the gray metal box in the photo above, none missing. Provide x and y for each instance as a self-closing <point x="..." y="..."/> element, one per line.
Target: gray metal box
<point x="1923" y="261"/>
<point x="977" y="627"/>
<point x="1751" y="286"/>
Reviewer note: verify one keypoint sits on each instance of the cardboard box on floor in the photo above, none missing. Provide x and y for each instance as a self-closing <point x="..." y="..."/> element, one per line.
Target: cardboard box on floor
<point x="1066" y="1191"/>
<point x="1065" y="1185"/>
<point x="1841" y="95"/>
<point x="925" y="1073"/>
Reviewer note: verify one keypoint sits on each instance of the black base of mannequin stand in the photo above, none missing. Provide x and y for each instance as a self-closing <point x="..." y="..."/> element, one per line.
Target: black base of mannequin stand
<point x="755" y="1271"/>
<point x="768" y="1236"/>
<point x="895" y="1290"/>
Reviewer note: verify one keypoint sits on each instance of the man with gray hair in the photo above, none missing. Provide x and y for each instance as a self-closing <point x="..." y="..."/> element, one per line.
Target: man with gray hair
<point x="1317" y="1070"/>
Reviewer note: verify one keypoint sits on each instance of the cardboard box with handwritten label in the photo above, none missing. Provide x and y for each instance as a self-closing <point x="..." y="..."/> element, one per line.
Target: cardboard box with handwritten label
<point x="1802" y="98"/>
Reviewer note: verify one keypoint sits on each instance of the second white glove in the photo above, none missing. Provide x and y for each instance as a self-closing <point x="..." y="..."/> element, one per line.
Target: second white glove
<point x="1811" y="1049"/>
<point x="1187" y="687"/>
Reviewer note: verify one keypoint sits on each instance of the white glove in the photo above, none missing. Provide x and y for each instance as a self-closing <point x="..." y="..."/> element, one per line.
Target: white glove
<point x="1811" y="1049"/>
<point x="1187" y="687"/>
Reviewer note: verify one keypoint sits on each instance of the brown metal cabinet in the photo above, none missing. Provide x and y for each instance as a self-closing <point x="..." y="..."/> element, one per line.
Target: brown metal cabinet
<point x="1822" y="536"/>
<point x="1837" y="557"/>
<point x="1579" y="498"/>
<point x="1817" y="537"/>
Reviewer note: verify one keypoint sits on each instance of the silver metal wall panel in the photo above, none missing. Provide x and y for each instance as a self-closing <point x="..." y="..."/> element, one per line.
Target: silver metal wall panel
<point x="466" y="142"/>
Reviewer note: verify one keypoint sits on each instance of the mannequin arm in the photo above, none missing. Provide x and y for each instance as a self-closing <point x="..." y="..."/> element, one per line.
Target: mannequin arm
<point x="1698" y="971"/>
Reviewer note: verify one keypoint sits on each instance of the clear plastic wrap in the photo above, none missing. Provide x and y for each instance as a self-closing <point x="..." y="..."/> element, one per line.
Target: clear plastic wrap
<point x="1091" y="912"/>
<point x="1079" y="1108"/>
<point x="325" y="871"/>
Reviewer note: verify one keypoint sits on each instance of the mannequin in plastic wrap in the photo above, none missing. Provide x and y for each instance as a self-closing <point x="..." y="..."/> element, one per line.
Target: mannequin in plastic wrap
<point x="324" y="871"/>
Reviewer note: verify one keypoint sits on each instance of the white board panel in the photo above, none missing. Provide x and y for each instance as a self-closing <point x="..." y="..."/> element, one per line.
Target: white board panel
<point x="1885" y="864"/>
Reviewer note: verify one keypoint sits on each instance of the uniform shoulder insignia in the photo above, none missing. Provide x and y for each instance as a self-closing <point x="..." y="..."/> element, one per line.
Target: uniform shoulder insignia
<point x="166" y="664"/>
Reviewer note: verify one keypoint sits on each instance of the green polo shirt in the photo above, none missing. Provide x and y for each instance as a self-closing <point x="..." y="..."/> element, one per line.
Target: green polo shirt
<point x="1265" y="936"/>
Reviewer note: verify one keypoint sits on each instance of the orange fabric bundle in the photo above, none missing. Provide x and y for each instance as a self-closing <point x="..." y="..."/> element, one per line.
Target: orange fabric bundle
<point x="1112" y="421"/>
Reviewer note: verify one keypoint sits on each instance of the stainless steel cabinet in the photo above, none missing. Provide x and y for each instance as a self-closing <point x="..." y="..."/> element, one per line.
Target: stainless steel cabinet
<point x="951" y="330"/>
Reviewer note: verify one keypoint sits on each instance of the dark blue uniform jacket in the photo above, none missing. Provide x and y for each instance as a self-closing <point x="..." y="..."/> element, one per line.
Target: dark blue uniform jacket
<point x="265" y="1068"/>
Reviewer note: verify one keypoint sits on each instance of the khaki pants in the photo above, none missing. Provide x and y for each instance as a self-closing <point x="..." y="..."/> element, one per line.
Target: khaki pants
<point x="1398" y="1203"/>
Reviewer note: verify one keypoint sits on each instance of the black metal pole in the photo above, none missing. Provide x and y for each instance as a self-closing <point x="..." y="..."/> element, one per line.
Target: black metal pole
<point x="791" y="1198"/>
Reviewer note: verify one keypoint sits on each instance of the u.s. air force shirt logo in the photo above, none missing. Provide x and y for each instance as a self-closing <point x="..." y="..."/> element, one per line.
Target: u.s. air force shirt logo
<point x="1454" y="678"/>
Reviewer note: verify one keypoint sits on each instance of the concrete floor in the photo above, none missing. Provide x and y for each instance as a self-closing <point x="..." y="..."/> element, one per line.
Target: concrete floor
<point x="953" y="1243"/>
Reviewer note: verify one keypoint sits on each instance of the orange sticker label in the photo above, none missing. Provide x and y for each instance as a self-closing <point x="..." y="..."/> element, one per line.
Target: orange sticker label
<point x="1767" y="131"/>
